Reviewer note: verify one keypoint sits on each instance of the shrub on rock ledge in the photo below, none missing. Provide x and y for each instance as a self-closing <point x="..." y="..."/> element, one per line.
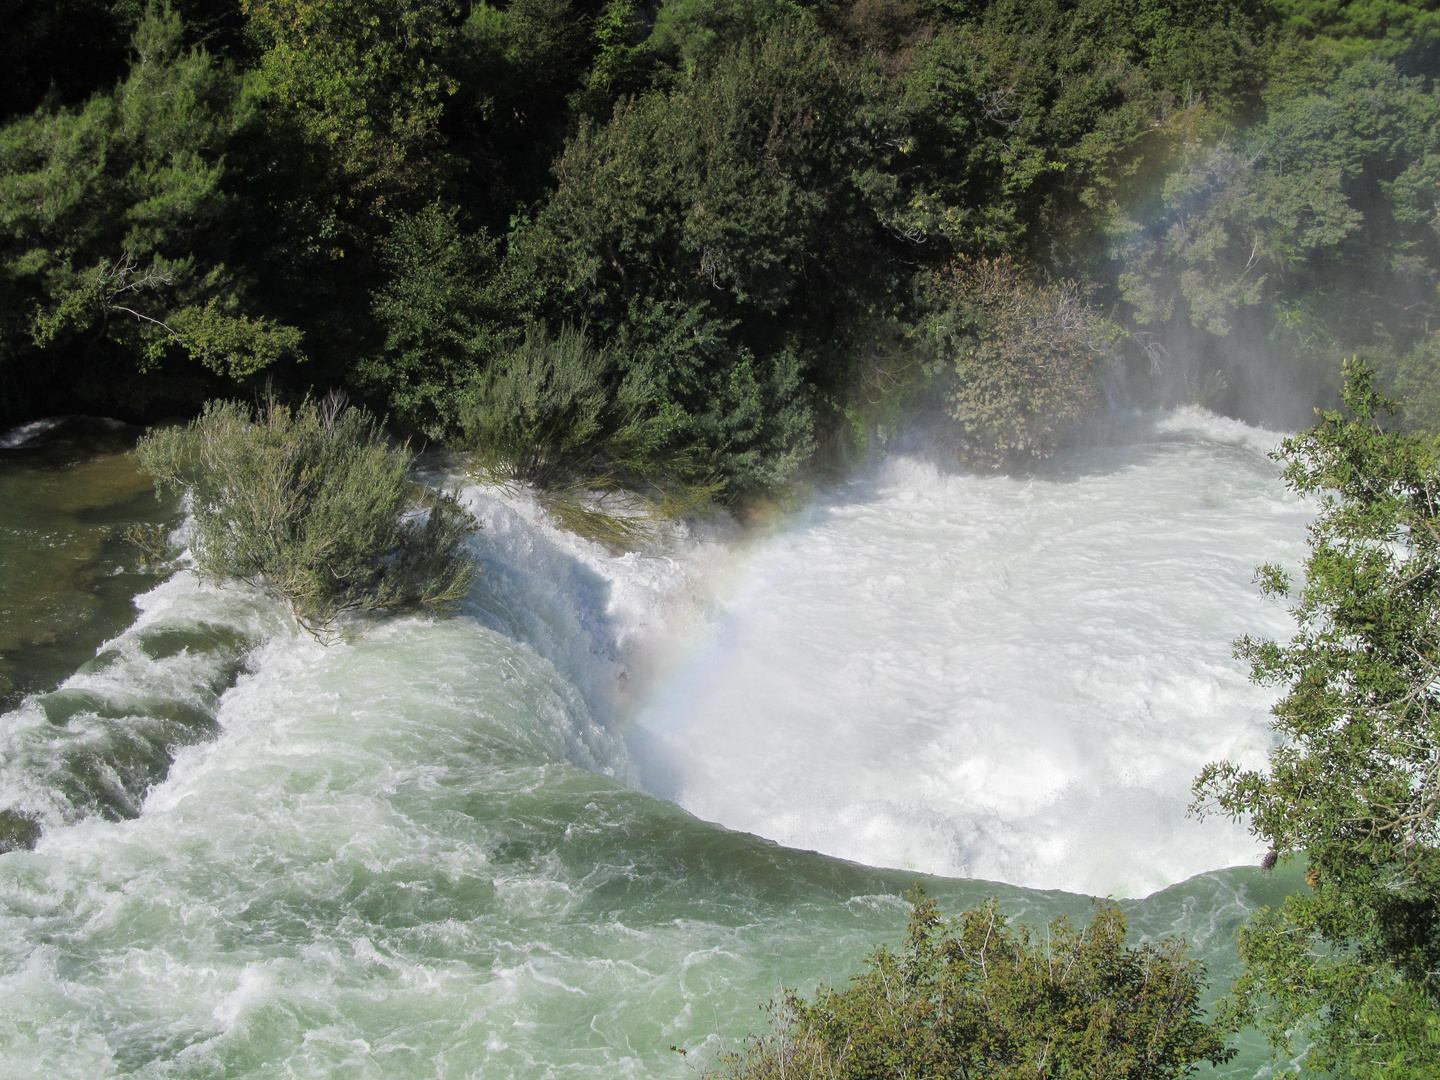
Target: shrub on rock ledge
<point x="313" y="503"/>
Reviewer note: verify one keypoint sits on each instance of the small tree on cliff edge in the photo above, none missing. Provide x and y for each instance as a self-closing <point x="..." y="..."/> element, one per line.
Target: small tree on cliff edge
<point x="1353" y="965"/>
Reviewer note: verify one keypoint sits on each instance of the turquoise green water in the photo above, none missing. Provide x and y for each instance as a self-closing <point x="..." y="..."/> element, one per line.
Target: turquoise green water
<point x="422" y="853"/>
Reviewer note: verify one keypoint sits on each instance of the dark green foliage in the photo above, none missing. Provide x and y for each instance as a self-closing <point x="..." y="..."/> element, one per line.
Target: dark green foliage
<point x="688" y="32"/>
<point x="725" y="191"/>
<point x="714" y="237"/>
<point x="619" y="67"/>
<point x="555" y="413"/>
<point x="1409" y="32"/>
<point x="514" y="70"/>
<point x="1352" y="964"/>
<point x="361" y="82"/>
<point x="59" y="52"/>
<point x="61" y="49"/>
<point x="113" y="223"/>
<point x="439" y="321"/>
<point x="541" y="409"/>
<point x="1029" y="123"/>
<point x="979" y="998"/>
<point x="349" y="100"/>
<point x="740" y="203"/>
<point x="314" y="503"/>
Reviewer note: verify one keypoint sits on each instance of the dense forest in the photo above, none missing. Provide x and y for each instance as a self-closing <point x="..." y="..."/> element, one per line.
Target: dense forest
<point x="715" y="240"/>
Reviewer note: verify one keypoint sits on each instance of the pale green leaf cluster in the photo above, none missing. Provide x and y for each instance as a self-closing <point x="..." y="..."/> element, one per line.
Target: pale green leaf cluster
<point x="1026" y="357"/>
<point x="1352" y="965"/>
<point x="315" y="504"/>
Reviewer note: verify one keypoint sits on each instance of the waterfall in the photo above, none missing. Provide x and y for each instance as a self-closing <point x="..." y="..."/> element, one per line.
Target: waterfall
<point x="618" y="800"/>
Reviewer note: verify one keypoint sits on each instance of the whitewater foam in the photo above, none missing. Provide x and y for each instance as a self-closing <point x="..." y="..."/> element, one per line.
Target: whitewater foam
<point x="422" y="853"/>
<point x="1012" y="678"/>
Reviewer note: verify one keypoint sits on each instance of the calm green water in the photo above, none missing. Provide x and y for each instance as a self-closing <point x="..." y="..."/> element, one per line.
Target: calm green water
<point x="67" y="574"/>
<point x="430" y="851"/>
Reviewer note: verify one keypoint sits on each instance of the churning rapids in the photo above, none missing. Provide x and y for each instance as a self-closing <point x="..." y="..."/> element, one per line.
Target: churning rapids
<point x="619" y="800"/>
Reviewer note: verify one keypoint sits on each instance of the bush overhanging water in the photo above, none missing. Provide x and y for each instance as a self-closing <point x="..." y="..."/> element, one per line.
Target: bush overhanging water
<point x="313" y="502"/>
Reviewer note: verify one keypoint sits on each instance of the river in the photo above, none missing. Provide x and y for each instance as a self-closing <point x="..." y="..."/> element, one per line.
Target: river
<point x="618" y="800"/>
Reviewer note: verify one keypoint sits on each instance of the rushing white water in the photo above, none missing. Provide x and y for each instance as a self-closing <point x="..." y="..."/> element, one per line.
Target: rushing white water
<point x="403" y="857"/>
<point x="1013" y="679"/>
<point x="437" y="850"/>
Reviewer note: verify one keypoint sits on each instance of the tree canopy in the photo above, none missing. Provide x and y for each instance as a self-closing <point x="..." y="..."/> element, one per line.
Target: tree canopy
<point x="746" y="206"/>
<point x="1353" y="785"/>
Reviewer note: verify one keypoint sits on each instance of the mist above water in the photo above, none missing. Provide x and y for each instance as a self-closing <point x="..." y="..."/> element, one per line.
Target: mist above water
<point x="995" y="677"/>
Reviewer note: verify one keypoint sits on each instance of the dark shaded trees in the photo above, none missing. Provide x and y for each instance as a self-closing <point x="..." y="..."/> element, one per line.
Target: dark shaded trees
<point x="115" y="237"/>
<point x="715" y="237"/>
<point x="743" y="205"/>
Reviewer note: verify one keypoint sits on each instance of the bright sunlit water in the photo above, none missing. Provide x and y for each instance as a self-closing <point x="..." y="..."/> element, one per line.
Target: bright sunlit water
<point x="979" y="676"/>
<point x="540" y="838"/>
